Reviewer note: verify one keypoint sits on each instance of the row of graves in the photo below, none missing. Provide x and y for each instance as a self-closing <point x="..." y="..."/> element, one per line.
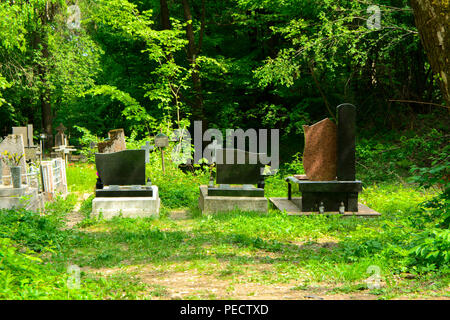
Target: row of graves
<point x="329" y="185"/>
<point x="26" y="180"/>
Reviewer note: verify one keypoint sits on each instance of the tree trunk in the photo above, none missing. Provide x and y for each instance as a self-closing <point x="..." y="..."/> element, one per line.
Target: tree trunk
<point x="192" y="51"/>
<point x="46" y="107"/>
<point x="432" y="20"/>
<point x="165" y="16"/>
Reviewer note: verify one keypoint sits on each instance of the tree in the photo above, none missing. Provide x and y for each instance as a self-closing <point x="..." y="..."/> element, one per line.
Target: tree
<point x="193" y="51"/>
<point x="432" y="20"/>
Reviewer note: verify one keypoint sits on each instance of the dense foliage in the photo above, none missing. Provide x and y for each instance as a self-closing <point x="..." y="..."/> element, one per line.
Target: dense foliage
<point x="238" y="63"/>
<point x="153" y="66"/>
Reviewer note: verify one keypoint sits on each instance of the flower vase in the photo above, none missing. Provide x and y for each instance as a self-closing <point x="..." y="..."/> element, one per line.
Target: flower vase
<point x="16" y="177"/>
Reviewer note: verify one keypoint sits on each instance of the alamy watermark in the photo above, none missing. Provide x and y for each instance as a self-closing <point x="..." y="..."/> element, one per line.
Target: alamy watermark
<point x="374" y="21"/>
<point x="374" y="281"/>
<point x="251" y="140"/>
<point x="73" y="281"/>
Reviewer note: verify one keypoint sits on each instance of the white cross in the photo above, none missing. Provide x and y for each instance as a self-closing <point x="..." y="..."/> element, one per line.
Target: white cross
<point x="147" y="149"/>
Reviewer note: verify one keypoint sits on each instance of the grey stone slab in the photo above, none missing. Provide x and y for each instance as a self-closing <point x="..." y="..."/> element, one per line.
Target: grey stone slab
<point x="125" y="167"/>
<point x="293" y="207"/>
<point x="346" y="133"/>
<point x="214" y="204"/>
<point x="30" y="200"/>
<point x="236" y="166"/>
<point x="129" y="207"/>
<point x="8" y="191"/>
<point x="22" y="131"/>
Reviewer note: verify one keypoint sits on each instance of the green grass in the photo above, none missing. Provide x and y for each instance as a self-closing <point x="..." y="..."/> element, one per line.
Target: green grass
<point x="238" y="247"/>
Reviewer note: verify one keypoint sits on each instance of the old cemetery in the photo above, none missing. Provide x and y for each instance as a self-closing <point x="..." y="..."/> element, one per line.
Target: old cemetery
<point x="134" y="225"/>
<point x="291" y="150"/>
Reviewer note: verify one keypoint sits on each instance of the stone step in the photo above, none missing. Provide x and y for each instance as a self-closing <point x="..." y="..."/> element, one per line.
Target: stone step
<point x="293" y="207"/>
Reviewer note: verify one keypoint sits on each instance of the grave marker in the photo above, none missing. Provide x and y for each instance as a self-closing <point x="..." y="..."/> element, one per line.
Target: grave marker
<point x="13" y="143"/>
<point x="115" y="142"/>
<point x="235" y="167"/>
<point x="121" y="188"/>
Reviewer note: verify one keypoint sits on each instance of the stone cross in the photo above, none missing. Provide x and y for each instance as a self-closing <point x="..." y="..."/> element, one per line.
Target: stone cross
<point x="65" y="150"/>
<point x="60" y="138"/>
<point x="147" y="147"/>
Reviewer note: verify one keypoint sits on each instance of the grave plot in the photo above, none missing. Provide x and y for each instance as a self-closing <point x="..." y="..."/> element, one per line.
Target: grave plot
<point x="19" y="186"/>
<point x="330" y="185"/>
<point x="230" y="171"/>
<point x="122" y="188"/>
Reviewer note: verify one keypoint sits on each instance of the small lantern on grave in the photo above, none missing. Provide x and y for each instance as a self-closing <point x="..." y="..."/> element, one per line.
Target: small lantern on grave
<point x="162" y="141"/>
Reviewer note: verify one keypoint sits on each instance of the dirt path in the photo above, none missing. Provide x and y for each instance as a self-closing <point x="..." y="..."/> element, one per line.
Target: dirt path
<point x="75" y="217"/>
<point x="166" y="282"/>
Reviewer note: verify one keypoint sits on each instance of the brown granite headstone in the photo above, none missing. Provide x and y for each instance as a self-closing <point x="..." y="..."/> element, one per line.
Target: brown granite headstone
<point x="115" y="143"/>
<point x="319" y="155"/>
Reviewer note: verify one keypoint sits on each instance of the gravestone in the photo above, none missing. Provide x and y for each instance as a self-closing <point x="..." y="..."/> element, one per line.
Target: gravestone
<point x="338" y="191"/>
<point x="319" y="155"/>
<point x="121" y="168"/>
<point x="54" y="178"/>
<point x="346" y="163"/>
<point x="121" y="186"/>
<point x="114" y="143"/>
<point x="60" y="138"/>
<point x="237" y="173"/>
<point x="13" y="143"/>
<point x="31" y="150"/>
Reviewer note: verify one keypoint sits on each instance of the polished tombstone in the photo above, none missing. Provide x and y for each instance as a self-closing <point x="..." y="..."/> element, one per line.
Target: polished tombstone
<point x="237" y="173"/>
<point x="125" y="167"/>
<point x="336" y="195"/>
<point x="121" y="187"/>
<point x="319" y="155"/>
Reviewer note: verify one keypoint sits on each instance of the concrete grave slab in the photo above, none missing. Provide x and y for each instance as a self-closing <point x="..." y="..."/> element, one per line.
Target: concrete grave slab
<point x="213" y="204"/>
<point x="128" y="207"/>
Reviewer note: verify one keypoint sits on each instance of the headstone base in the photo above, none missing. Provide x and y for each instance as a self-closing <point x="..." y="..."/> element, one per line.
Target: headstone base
<point x="330" y="193"/>
<point x="235" y="192"/>
<point x="293" y="207"/>
<point x="24" y="197"/>
<point x="213" y="204"/>
<point x="128" y="207"/>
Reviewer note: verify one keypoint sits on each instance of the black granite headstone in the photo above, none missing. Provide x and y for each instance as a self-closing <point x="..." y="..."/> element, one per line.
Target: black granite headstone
<point x="234" y="166"/>
<point x="121" y="168"/>
<point x="346" y="117"/>
<point x="237" y="167"/>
